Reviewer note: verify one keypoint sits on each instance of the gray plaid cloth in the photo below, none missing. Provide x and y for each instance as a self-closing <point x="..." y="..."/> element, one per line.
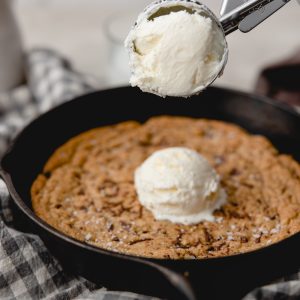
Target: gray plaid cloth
<point x="27" y="269"/>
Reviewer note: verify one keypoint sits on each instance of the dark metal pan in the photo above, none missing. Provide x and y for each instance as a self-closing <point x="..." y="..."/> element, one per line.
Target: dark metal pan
<point x="216" y="278"/>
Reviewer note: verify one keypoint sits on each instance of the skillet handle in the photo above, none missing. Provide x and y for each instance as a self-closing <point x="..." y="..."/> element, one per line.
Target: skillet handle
<point x="181" y="285"/>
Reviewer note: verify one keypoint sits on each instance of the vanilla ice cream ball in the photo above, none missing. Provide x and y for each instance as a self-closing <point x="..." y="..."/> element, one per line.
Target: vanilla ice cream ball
<point x="179" y="185"/>
<point x="176" y="48"/>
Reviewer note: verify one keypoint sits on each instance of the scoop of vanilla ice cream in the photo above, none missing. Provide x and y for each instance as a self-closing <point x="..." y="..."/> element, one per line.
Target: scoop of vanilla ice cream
<point x="177" y="54"/>
<point x="179" y="185"/>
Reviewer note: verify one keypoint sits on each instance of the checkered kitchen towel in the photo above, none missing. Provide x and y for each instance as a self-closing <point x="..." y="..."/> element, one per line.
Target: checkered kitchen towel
<point x="27" y="269"/>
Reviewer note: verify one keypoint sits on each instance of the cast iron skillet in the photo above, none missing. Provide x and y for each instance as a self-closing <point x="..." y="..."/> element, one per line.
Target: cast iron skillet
<point x="218" y="278"/>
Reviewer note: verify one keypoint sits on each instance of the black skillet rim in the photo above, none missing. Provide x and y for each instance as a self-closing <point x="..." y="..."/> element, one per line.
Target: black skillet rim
<point x="51" y="230"/>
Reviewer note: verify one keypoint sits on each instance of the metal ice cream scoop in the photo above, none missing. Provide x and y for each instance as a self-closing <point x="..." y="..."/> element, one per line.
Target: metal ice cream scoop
<point x="235" y="14"/>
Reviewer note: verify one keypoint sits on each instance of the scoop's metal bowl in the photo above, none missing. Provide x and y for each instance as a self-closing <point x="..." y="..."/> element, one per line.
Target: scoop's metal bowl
<point x="165" y="7"/>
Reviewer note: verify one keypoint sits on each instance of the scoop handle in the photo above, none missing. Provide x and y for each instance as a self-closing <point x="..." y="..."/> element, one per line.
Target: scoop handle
<point x="248" y="15"/>
<point x="258" y="16"/>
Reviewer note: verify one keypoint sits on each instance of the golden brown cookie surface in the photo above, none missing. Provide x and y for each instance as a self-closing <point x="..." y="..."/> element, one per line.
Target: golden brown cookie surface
<point x="87" y="190"/>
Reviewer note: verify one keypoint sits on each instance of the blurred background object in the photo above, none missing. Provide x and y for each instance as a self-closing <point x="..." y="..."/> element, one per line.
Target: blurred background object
<point x="116" y="27"/>
<point x="11" y="63"/>
<point x="281" y="81"/>
<point x="88" y="33"/>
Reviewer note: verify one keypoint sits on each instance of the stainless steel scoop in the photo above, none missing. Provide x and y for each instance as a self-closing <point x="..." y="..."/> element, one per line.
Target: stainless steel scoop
<point x="246" y="15"/>
<point x="235" y="14"/>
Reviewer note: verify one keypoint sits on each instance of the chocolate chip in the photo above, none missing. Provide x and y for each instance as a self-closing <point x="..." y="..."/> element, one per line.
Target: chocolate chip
<point x="283" y="190"/>
<point x="81" y="192"/>
<point x="145" y="140"/>
<point x="234" y="172"/>
<point x="235" y="214"/>
<point x="249" y="185"/>
<point x="47" y="174"/>
<point x="110" y="226"/>
<point x="208" y="237"/>
<point x="139" y="241"/>
<point x="244" y="239"/>
<point x="77" y="175"/>
<point x="257" y="240"/>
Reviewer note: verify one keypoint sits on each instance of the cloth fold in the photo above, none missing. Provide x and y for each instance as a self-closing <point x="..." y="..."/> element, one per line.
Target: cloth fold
<point x="27" y="269"/>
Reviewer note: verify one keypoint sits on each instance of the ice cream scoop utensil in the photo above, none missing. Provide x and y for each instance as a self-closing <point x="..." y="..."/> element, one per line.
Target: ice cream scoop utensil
<point x="193" y="44"/>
